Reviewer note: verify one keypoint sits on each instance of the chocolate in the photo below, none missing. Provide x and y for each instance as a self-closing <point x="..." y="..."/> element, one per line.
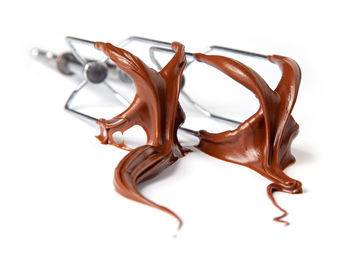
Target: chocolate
<point x="262" y="142"/>
<point x="156" y="109"/>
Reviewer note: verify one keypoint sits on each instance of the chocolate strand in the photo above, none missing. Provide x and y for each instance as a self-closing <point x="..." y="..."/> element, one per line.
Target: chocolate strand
<point x="156" y="109"/>
<point x="262" y="142"/>
<point x="270" y="190"/>
<point x="131" y="171"/>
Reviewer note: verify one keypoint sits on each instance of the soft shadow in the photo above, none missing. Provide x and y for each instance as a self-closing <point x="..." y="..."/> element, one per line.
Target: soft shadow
<point x="302" y="157"/>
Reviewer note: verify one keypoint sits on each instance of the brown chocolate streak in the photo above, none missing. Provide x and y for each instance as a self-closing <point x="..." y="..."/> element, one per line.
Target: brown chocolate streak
<point x="156" y="109"/>
<point x="262" y="142"/>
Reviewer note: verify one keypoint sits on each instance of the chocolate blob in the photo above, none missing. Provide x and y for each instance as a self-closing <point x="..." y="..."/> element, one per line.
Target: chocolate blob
<point x="262" y="142"/>
<point x="156" y="109"/>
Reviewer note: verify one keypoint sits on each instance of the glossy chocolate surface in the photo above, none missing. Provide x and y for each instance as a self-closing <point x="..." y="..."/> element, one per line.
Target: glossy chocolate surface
<point x="262" y="142"/>
<point x="156" y="109"/>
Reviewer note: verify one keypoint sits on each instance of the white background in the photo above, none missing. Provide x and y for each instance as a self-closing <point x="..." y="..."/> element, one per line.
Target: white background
<point x="56" y="191"/>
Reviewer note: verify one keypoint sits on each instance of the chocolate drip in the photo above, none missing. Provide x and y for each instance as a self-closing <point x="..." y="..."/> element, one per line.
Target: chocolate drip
<point x="262" y="142"/>
<point x="156" y="109"/>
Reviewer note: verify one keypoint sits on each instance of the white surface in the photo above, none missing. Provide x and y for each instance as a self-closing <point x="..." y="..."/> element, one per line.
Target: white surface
<point x="56" y="192"/>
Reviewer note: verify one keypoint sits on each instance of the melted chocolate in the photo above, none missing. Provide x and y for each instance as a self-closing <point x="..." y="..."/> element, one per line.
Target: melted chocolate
<point x="262" y="142"/>
<point x="156" y="109"/>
